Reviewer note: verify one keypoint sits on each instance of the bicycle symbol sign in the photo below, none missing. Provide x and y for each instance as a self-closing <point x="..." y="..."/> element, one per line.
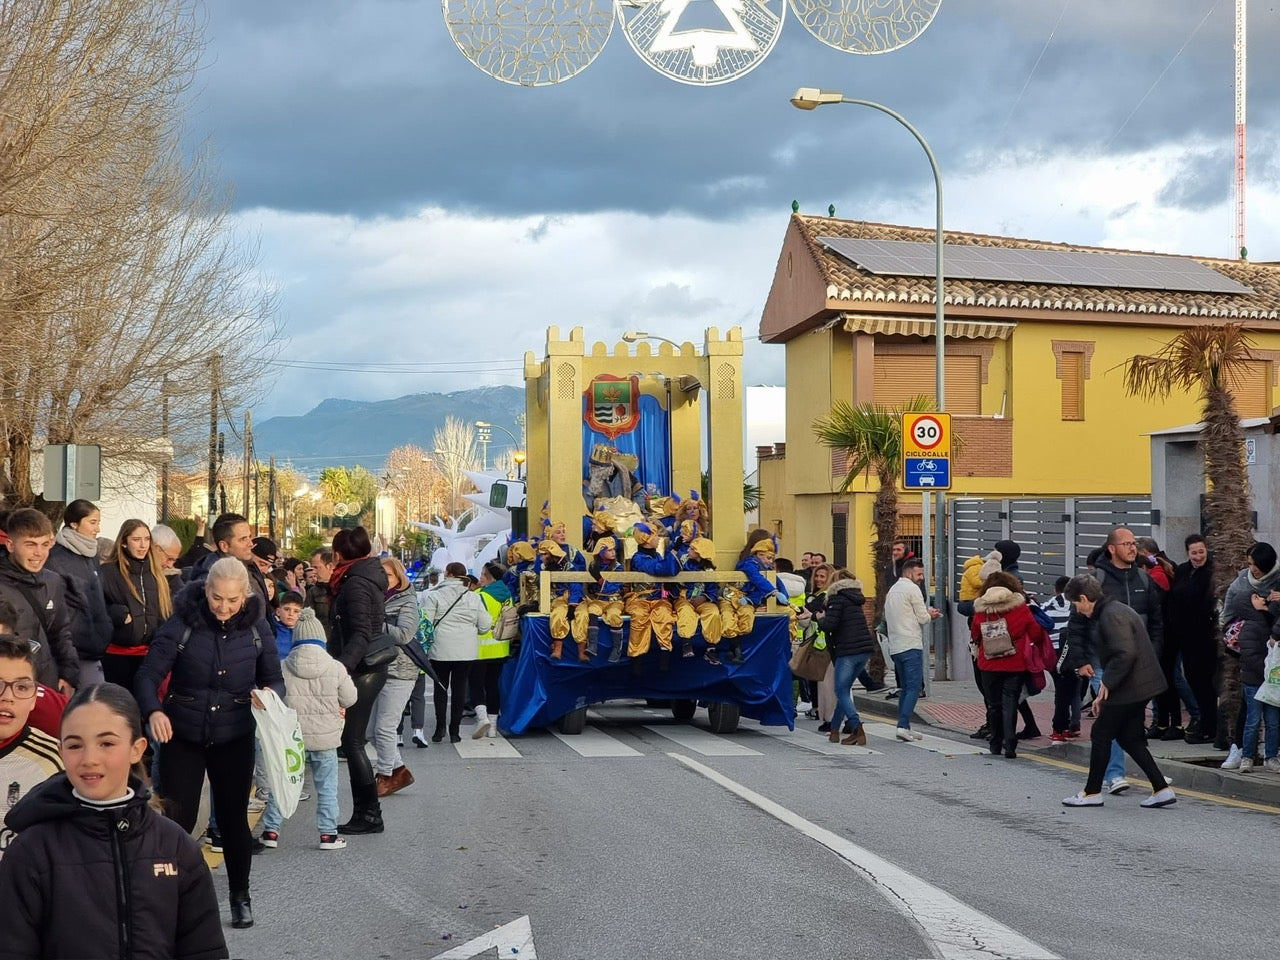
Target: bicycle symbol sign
<point x="926" y="451"/>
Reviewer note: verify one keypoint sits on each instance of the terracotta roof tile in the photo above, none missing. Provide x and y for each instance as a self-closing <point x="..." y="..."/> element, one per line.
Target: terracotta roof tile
<point x="846" y="282"/>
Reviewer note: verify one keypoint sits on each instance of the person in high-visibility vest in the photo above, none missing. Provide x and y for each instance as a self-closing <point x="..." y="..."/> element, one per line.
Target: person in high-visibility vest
<point x="493" y="652"/>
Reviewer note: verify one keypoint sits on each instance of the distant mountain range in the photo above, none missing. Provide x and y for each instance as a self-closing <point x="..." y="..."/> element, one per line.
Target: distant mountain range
<point x="351" y="432"/>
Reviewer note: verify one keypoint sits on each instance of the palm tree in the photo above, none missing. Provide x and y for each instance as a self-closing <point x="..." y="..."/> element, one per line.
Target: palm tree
<point x="1207" y="359"/>
<point x="871" y="435"/>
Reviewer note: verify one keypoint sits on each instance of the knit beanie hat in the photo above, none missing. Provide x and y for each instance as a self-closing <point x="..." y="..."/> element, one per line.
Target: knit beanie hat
<point x="308" y="627"/>
<point x="991" y="566"/>
<point x="1009" y="553"/>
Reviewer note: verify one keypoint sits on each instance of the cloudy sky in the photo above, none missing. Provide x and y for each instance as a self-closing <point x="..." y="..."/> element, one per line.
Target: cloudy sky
<point x="413" y="211"/>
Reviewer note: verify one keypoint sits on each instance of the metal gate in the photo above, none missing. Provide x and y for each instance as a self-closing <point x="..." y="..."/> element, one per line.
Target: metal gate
<point x="1056" y="534"/>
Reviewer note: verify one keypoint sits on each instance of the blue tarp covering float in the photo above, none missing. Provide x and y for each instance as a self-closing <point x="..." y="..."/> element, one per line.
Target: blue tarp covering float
<point x="537" y="691"/>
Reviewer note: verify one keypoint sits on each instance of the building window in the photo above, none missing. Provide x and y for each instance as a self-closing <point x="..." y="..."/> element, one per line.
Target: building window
<point x="1072" y="377"/>
<point x="1072" y="359"/>
<point x="1250" y="384"/>
<point x="901" y="377"/>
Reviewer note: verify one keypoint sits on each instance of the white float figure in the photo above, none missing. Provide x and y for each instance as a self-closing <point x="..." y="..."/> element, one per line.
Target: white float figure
<point x="484" y="536"/>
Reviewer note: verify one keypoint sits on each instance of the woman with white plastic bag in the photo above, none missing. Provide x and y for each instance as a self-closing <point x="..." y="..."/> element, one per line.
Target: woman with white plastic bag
<point x="1259" y="664"/>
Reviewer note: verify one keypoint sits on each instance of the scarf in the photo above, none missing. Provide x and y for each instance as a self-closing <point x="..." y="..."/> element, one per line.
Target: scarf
<point x="1262" y="585"/>
<point x="77" y="542"/>
<point x="339" y="574"/>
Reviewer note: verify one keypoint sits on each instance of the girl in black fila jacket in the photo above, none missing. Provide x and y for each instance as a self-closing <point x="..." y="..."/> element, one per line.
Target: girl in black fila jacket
<point x="129" y="883"/>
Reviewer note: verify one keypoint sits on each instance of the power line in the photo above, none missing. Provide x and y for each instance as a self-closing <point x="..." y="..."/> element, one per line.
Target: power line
<point x="1035" y="66"/>
<point x="1155" y="83"/>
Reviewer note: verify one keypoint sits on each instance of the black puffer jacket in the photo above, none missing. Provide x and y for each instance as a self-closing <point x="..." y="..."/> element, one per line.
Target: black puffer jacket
<point x="844" y="622"/>
<point x="57" y="658"/>
<point x="359" y="611"/>
<point x="1130" y="668"/>
<point x="134" y="620"/>
<point x="90" y="627"/>
<point x="128" y="882"/>
<point x="220" y="665"/>
<point x="1191" y="605"/>
<point x="1133" y="587"/>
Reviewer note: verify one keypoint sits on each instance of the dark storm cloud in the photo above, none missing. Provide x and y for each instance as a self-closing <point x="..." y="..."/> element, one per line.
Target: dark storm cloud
<point x="369" y="108"/>
<point x="1200" y="181"/>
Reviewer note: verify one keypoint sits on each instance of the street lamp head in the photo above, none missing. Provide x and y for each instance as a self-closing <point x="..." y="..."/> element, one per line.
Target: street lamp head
<point x="631" y="336"/>
<point x="810" y="98"/>
<point x="483" y="423"/>
<point x="518" y="456"/>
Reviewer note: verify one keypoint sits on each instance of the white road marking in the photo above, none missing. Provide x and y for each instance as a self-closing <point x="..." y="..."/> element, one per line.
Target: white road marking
<point x="956" y="930"/>
<point x="486" y="748"/>
<point x="594" y="742"/>
<point x="514" y="939"/>
<point x="818" y="743"/>
<point x="888" y="731"/>
<point x="703" y="741"/>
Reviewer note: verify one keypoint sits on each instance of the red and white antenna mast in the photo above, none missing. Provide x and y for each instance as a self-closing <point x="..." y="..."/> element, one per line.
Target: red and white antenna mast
<point x="1241" y="55"/>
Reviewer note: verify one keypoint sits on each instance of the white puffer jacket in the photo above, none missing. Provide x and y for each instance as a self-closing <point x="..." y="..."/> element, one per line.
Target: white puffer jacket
<point x="318" y="687"/>
<point x="458" y="629"/>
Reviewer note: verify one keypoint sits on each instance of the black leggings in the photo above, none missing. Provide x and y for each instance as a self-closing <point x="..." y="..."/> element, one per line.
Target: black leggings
<point x="1199" y="666"/>
<point x="355" y="729"/>
<point x="452" y="686"/>
<point x="486" y="678"/>
<point x="1121" y="722"/>
<point x="183" y="766"/>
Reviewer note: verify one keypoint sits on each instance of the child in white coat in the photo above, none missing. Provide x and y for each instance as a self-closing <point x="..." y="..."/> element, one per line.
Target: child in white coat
<point x="319" y="689"/>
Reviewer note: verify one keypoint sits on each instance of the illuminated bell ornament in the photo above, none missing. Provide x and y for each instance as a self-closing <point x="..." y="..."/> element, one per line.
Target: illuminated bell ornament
<point x="702" y="43"/>
<point x="865" y="26"/>
<point x="532" y="43"/>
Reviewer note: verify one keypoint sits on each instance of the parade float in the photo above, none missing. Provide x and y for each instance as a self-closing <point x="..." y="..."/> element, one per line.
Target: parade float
<point x="617" y="442"/>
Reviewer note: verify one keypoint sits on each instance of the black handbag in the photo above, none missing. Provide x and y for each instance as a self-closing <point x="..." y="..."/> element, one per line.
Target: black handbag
<point x="382" y="650"/>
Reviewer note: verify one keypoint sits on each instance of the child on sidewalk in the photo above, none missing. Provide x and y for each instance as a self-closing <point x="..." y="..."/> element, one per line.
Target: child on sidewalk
<point x="28" y="756"/>
<point x="320" y="690"/>
<point x="1066" y="686"/>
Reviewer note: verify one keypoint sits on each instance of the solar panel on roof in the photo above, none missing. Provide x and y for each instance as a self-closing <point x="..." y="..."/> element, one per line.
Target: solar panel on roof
<point x="1076" y="268"/>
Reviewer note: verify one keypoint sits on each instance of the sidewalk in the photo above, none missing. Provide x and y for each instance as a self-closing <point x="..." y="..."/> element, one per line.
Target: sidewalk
<point x="957" y="706"/>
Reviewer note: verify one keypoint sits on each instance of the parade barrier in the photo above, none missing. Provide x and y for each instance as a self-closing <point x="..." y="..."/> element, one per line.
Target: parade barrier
<point x="538" y="691"/>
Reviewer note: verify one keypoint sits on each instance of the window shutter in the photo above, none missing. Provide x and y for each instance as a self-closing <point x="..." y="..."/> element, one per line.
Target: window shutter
<point x="1251" y="386"/>
<point x="899" y="377"/>
<point x="1072" y="385"/>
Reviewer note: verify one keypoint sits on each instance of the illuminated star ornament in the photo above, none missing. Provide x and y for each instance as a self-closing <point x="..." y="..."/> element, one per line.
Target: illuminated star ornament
<point x="701" y="42"/>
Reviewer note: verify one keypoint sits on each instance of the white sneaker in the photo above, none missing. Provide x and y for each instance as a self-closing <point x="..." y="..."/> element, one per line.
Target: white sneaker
<point x="493" y="728"/>
<point x="916" y="736"/>
<point x="1233" y="758"/>
<point x="1118" y="786"/>
<point x="481" y="730"/>
<point x="1271" y="765"/>
<point x="903" y="734"/>
<point x="1162" y="799"/>
<point x="1083" y="799"/>
<point x="1246" y="765"/>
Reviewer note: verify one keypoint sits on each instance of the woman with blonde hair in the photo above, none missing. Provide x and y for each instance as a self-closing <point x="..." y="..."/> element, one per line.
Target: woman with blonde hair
<point x="402" y="622"/>
<point x="138" y="601"/>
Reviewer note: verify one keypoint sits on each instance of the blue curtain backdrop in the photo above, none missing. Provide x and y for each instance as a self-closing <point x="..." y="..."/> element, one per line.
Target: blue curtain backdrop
<point x="650" y="441"/>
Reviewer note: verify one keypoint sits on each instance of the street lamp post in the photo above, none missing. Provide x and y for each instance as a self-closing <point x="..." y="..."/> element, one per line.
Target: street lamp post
<point x="486" y="435"/>
<point x="809" y="98"/>
<point x="631" y="336"/>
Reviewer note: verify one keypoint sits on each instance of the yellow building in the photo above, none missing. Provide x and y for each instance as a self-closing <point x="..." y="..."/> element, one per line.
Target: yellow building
<point x="1037" y="335"/>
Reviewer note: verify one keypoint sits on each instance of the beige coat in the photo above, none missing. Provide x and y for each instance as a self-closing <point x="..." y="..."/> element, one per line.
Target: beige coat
<point x="318" y="688"/>
<point x="905" y="616"/>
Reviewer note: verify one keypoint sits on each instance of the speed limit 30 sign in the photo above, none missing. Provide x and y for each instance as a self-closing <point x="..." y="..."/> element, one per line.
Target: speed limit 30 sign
<point x="926" y="451"/>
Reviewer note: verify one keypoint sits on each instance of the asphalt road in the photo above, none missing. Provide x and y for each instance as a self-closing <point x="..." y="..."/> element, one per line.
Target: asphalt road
<point x="693" y="845"/>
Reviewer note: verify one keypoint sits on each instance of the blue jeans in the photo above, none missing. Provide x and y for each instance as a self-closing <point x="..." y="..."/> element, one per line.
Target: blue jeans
<point x="846" y="668"/>
<point x="1257" y="713"/>
<point x="324" y="775"/>
<point x="908" y="668"/>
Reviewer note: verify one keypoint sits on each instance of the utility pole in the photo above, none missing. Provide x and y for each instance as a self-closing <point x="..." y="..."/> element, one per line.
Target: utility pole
<point x="271" y="500"/>
<point x="248" y="458"/>
<point x="215" y="374"/>
<point x="164" y="470"/>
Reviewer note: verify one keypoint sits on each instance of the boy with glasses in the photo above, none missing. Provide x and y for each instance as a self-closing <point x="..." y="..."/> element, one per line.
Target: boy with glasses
<point x="28" y="756"/>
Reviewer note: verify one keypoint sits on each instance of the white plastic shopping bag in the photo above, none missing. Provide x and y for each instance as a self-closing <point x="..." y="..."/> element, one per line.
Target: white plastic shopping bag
<point x="1269" y="692"/>
<point x="283" y="752"/>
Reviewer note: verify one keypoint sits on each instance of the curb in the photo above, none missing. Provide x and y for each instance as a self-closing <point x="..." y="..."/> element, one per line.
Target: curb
<point x="1254" y="788"/>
